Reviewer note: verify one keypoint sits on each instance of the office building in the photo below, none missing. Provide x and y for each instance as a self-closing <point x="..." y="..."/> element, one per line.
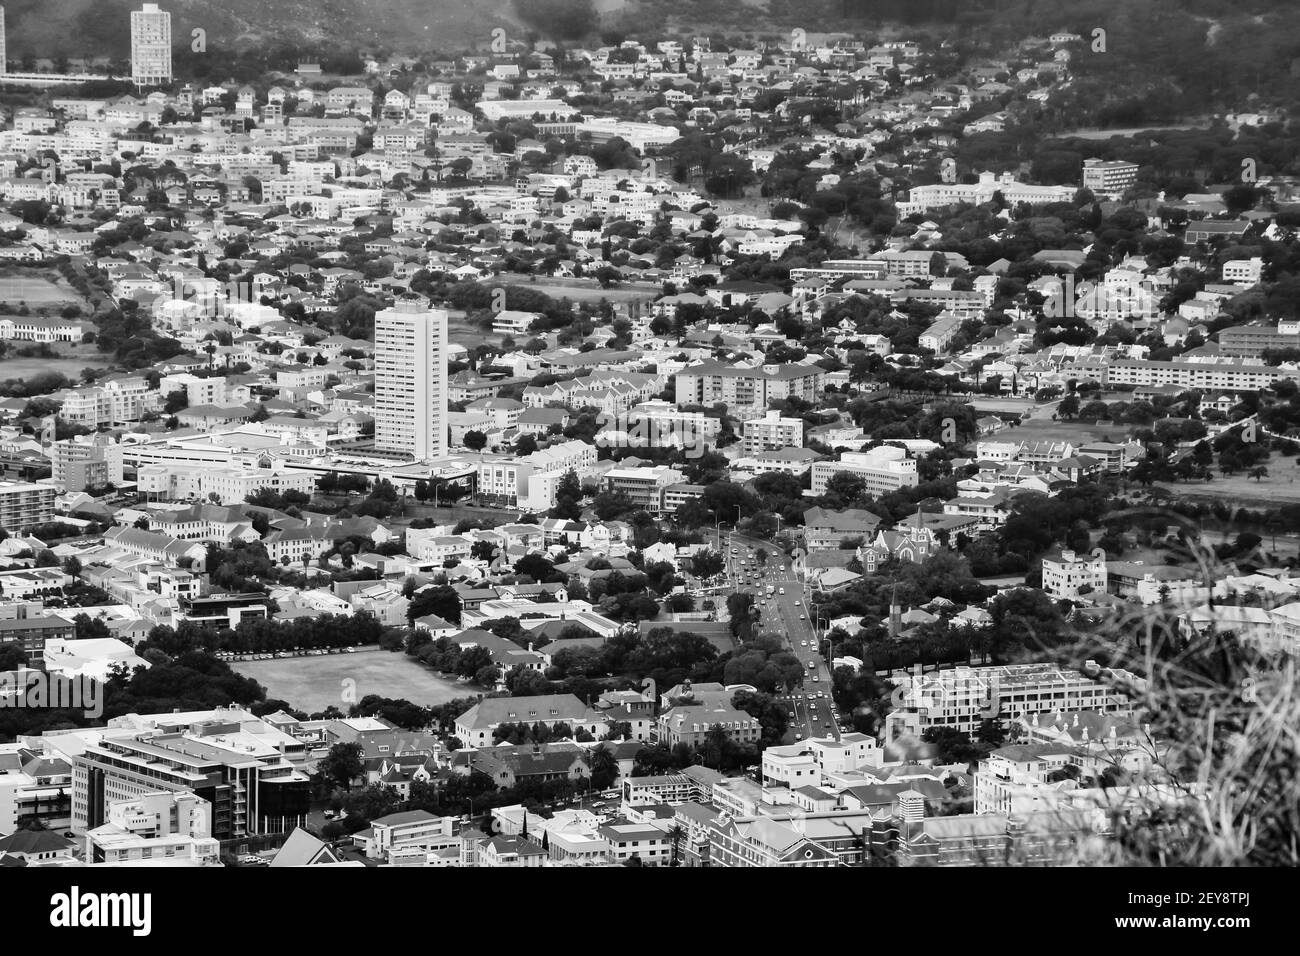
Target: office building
<point x="884" y="469"/>
<point x="411" y="380"/>
<point x="4" y="48"/>
<point x="151" y="46"/>
<point x="1108" y="180"/>
<point x="235" y="767"/>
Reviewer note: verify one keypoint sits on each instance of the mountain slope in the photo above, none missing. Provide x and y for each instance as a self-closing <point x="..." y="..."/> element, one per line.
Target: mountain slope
<point x="102" y="27"/>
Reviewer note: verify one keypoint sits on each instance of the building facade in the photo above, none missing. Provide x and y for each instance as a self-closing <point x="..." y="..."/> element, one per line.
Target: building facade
<point x="411" y="380"/>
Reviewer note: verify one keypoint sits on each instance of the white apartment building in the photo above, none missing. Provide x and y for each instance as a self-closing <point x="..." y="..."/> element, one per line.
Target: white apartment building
<point x="1243" y="271"/>
<point x="792" y="766"/>
<point x="413" y="828"/>
<point x="151" y="46"/>
<point x="120" y="401"/>
<point x="964" y="697"/>
<point x="1069" y="576"/>
<point x="85" y="462"/>
<point x="411" y="380"/>
<point x="884" y="469"/>
<point x="772" y="432"/>
<point x="1015" y="779"/>
<point x="158" y="827"/>
<point x="514" y="322"/>
<point x="24" y="503"/>
<point x="1231" y="375"/>
<point x="851" y="752"/>
<point x="507" y="481"/>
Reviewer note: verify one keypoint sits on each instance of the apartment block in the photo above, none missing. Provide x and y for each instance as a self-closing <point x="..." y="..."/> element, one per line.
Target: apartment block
<point x="151" y="46"/>
<point x="772" y="432"/>
<point x="24" y="503"/>
<point x="964" y="697"/>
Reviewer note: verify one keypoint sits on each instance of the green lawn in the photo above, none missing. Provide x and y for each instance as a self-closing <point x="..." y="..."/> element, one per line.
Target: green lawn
<point x="314" y="683"/>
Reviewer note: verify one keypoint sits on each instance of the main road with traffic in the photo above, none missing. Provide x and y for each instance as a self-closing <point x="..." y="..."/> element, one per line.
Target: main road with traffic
<point x="782" y="607"/>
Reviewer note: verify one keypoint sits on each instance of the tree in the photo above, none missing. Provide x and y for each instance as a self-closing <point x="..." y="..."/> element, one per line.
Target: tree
<point x="707" y="564"/>
<point x="436" y="599"/>
<point x="342" y="764"/>
<point x="472" y="660"/>
<point x="1259" y="472"/>
<point x="771" y="715"/>
<point x="568" y="497"/>
<point x="475" y="440"/>
<point x="845" y="488"/>
<point x="604" y="768"/>
<point x="90" y="628"/>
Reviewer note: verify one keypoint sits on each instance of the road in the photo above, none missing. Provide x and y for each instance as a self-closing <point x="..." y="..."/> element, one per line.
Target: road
<point x="786" y="614"/>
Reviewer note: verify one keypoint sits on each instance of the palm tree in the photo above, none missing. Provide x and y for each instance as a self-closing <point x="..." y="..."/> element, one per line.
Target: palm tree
<point x="675" y="841"/>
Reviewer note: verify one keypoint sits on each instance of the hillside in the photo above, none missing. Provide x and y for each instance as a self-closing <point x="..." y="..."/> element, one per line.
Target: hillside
<point x="102" y="27"/>
<point x="82" y="28"/>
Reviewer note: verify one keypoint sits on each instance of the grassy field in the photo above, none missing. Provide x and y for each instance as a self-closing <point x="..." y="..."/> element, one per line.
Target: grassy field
<point x="314" y="683"/>
<point x="579" y="291"/>
<point x="27" y="367"/>
<point x="1122" y="131"/>
<point x="37" y="290"/>
<point x="1282" y="486"/>
<point x="1074" y="432"/>
<point x="72" y="359"/>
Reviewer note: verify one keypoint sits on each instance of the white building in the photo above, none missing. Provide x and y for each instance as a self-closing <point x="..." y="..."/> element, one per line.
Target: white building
<point x="151" y="46"/>
<point x="411" y="380"/>
<point x="1069" y="575"/>
<point x="161" y="827"/>
<point x="965" y="697"/>
<point x="884" y="469"/>
<point x="772" y="432"/>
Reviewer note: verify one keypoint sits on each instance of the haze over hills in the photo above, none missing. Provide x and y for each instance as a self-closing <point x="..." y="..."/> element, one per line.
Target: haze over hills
<point x="102" y="27"/>
<point x="84" y="28"/>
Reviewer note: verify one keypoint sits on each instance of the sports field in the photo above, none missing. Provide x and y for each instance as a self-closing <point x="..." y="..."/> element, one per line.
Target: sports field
<point x="36" y="290"/>
<point x="314" y="683"/>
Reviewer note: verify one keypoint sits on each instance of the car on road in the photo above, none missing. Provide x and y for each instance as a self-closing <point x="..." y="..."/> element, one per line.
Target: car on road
<point x="802" y="618"/>
<point x="816" y="679"/>
<point x="797" y="604"/>
<point x="803" y="643"/>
